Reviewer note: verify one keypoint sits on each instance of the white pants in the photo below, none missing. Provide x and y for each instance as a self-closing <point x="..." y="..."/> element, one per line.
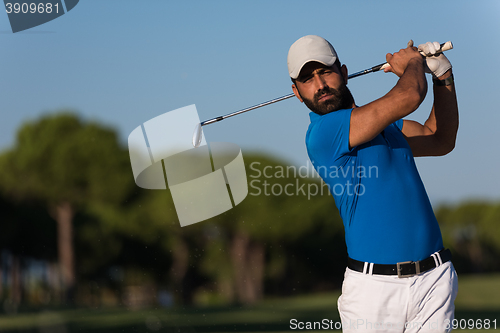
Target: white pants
<point x="386" y="303"/>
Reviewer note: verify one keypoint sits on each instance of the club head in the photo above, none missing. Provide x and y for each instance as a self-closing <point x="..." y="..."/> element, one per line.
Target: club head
<point x="197" y="135"/>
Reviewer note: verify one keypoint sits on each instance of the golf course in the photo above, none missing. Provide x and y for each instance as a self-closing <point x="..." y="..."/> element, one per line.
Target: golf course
<point x="478" y="300"/>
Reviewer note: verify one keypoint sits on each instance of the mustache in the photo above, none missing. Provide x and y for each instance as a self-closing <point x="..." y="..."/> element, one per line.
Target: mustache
<point x="326" y="91"/>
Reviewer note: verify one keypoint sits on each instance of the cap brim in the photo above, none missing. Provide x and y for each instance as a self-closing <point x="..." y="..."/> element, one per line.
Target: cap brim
<point x="325" y="60"/>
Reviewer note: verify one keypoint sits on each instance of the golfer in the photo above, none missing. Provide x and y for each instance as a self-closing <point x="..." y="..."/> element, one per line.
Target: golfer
<point x="399" y="277"/>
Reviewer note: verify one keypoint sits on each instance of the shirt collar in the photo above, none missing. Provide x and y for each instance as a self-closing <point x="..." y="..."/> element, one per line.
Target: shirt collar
<point x="313" y="116"/>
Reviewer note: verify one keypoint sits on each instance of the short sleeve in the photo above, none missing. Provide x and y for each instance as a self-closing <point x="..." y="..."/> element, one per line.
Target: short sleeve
<point x="399" y="124"/>
<point x="329" y="134"/>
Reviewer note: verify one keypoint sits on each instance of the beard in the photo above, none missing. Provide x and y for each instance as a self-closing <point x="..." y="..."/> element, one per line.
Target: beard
<point x="341" y="99"/>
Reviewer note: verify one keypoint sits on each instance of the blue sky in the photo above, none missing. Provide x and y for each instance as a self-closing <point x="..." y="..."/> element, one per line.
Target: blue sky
<point x="124" y="62"/>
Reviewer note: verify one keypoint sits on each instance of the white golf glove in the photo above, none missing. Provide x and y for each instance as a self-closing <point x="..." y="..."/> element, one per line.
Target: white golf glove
<point x="438" y="64"/>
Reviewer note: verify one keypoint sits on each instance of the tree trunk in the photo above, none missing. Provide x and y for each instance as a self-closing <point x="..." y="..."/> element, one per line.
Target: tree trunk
<point x="239" y="249"/>
<point x="64" y="216"/>
<point x="256" y="270"/>
<point x="248" y="263"/>
<point x="1" y="276"/>
<point x="16" y="286"/>
<point x="180" y="262"/>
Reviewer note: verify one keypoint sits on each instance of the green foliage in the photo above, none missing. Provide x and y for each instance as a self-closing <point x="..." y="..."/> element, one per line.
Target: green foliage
<point x="478" y="299"/>
<point x="300" y="228"/>
<point x="60" y="158"/>
<point x="281" y="203"/>
<point x="472" y="219"/>
<point x="293" y="218"/>
<point x="471" y="230"/>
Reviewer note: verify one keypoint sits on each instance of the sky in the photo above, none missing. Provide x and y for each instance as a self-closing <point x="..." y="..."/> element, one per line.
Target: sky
<point x="123" y="62"/>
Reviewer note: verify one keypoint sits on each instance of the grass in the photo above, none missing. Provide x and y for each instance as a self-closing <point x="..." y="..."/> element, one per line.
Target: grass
<point x="478" y="298"/>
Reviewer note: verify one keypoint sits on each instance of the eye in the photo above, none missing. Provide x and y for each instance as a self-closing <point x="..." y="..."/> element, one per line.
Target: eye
<point x="306" y="79"/>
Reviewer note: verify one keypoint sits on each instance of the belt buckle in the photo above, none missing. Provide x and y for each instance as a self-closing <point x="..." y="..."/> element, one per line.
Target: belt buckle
<point x="417" y="268"/>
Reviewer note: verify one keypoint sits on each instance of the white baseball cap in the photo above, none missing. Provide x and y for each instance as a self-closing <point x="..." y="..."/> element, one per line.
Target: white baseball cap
<point x="309" y="48"/>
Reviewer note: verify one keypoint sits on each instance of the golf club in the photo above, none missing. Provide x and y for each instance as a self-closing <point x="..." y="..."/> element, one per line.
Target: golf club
<point x="197" y="135"/>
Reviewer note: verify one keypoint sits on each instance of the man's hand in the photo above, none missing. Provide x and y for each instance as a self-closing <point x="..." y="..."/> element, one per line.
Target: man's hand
<point x="438" y="64"/>
<point x="369" y="120"/>
<point x="438" y="135"/>
<point x="400" y="60"/>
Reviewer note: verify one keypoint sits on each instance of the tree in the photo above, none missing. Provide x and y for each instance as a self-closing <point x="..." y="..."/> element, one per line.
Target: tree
<point x="471" y="231"/>
<point x="68" y="164"/>
<point x="283" y="208"/>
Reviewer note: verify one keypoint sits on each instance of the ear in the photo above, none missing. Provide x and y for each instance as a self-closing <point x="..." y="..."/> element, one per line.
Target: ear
<point x="343" y="70"/>
<point x="296" y="92"/>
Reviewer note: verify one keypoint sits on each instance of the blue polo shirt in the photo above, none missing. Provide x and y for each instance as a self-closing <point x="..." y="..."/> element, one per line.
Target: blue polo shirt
<point x="385" y="209"/>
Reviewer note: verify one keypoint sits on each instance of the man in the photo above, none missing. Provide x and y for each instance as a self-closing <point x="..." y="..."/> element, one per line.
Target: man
<point x="399" y="277"/>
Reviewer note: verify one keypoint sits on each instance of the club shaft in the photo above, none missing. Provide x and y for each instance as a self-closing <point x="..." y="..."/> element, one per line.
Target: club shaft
<point x="214" y="120"/>
<point x="279" y="99"/>
<point x="366" y="71"/>
<point x="444" y="47"/>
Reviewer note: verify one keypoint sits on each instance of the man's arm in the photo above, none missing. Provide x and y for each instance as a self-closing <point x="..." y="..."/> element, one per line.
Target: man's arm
<point x="369" y="120"/>
<point x="437" y="136"/>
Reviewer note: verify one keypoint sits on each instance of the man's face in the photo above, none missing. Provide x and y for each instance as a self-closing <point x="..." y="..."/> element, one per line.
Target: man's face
<point x="323" y="89"/>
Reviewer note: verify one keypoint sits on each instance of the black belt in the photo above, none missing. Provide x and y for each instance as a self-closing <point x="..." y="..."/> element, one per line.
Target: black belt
<point x="402" y="269"/>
